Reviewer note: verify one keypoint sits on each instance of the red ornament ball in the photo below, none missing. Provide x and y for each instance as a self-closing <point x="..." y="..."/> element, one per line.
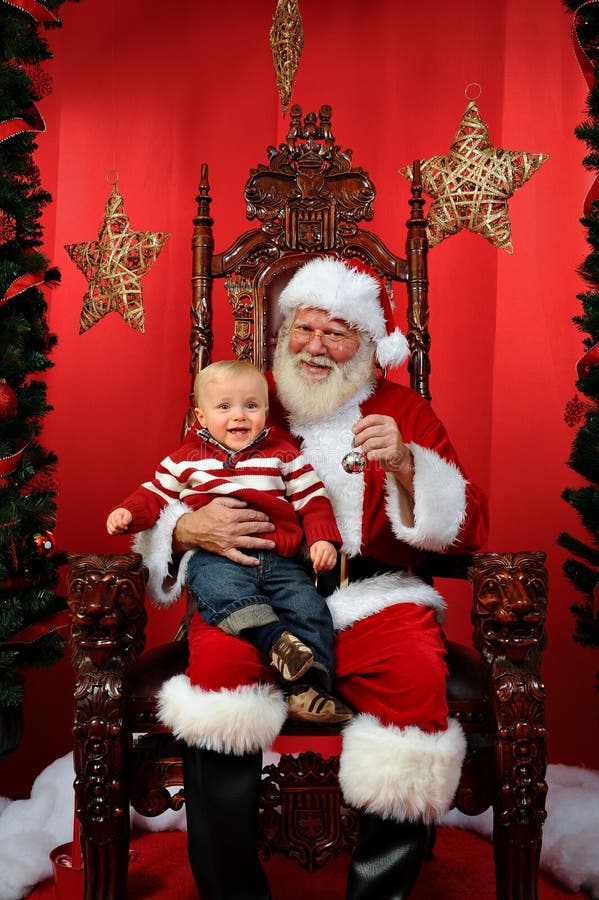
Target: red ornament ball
<point x="44" y="542"/>
<point x="8" y="402"/>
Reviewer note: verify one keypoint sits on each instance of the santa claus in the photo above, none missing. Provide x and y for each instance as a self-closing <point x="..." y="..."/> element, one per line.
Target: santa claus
<point x="398" y="492"/>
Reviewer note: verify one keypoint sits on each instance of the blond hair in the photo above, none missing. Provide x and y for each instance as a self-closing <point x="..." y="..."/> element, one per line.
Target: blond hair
<point x="221" y="371"/>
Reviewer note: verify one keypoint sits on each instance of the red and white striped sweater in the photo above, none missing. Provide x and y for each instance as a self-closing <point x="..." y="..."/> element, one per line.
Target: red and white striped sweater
<point x="270" y="475"/>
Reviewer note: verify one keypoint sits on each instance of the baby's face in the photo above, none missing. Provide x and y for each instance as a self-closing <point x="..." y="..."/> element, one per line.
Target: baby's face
<point x="234" y="409"/>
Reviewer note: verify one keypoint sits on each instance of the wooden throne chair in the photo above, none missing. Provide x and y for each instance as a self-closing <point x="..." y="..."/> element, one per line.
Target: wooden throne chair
<point x="308" y="198"/>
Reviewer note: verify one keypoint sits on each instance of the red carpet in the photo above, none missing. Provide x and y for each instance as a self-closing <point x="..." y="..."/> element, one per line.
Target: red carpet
<point x="462" y="868"/>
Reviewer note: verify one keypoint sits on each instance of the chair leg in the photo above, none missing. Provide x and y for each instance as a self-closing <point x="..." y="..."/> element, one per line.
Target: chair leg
<point x="101" y="791"/>
<point x="221" y="799"/>
<point x="520" y="787"/>
<point x="516" y="863"/>
<point x="509" y="610"/>
<point x="106" y="600"/>
<point x="387" y="859"/>
<point x="105" y="870"/>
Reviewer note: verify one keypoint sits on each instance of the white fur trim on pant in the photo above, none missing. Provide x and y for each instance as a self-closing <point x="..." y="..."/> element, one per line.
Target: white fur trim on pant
<point x="239" y="721"/>
<point x="361" y="599"/>
<point x="439" y="502"/>
<point x="155" y="545"/>
<point x="400" y="773"/>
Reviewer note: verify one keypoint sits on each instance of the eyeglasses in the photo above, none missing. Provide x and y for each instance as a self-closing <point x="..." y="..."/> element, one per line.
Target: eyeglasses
<point x="329" y="337"/>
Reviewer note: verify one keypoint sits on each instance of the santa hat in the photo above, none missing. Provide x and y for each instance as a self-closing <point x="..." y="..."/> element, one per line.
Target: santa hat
<point x="351" y="291"/>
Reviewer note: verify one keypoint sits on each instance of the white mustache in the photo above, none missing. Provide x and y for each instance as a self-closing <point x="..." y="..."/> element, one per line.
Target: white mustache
<point x="304" y="356"/>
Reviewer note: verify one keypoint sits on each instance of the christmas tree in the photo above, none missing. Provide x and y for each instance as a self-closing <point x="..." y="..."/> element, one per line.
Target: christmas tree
<point x="29" y="568"/>
<point x="582" y="568"/>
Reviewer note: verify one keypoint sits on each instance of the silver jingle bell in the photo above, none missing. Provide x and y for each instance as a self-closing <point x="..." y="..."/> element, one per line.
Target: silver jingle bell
<point x="354" y="462"/>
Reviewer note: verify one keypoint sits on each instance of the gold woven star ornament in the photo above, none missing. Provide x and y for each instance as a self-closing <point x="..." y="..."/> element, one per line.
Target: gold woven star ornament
<point x="114" y="265"/>
<point x="471" y="186"/>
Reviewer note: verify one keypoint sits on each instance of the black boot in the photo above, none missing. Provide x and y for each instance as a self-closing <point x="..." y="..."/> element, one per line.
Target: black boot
<point x="387" y="858"/>
<point x="221" y="798"/>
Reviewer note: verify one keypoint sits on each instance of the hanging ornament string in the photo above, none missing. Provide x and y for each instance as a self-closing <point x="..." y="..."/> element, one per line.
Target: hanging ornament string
<point x="472" y="91"/>
<point x="286" y="42"/>
<point x="113" y="74"/>
<point x="471" y="185"/>
<point x="115" y="263"/>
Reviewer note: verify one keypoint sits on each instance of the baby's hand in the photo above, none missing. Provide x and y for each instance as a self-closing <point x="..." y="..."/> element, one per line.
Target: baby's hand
<point x="323" y="555"/>
<point x="118" y="521"/>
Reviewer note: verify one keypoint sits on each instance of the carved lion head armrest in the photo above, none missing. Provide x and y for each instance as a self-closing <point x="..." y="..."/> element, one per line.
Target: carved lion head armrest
<point x="509" y="604"/>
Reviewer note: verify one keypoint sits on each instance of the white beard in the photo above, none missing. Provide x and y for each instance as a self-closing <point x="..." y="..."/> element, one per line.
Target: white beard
<point x="322" y="416"/>
<point x="307" y="401"/>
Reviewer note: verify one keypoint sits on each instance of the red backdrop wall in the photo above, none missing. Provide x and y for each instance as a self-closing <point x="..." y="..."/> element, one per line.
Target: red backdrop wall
<point x="152" y="90"/>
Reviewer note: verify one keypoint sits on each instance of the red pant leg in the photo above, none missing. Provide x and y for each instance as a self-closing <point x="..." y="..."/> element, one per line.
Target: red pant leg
<point x="392" y="665"/>
<point x="227" y="700"/>
<point x="219" y="660"/>
<point x="401" y="759"/>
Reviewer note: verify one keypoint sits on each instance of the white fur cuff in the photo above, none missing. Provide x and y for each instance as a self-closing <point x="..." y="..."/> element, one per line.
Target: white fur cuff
<point x="361" y="599"/>
<point x="439" y="502"/>
<point x="400" y="773"/>
<point x="155" y="545"/>
<point x="239" y="721"/>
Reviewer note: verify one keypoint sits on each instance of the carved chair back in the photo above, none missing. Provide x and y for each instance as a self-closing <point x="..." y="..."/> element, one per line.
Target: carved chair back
<point x="309" y="199"/>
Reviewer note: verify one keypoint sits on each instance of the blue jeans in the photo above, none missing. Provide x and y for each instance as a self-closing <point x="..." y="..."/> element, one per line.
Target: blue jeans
<point x="279" y="589"/>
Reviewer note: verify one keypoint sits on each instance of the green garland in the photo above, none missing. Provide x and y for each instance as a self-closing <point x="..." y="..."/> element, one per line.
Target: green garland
<point x="583" y="570"/>
<point x="29" y="569"/>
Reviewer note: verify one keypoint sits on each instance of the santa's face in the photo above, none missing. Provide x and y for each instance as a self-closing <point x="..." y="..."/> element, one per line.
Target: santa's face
<point x="320" y="362"/>
<point x="315" y="337"/>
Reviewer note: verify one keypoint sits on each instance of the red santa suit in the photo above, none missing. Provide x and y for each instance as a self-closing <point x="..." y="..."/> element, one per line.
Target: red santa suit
<point x="389" y="647"/>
